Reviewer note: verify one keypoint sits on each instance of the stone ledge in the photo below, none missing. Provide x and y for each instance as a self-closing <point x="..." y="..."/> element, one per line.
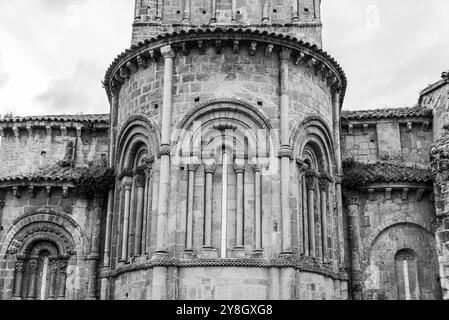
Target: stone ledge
<point x="304" y="265"/>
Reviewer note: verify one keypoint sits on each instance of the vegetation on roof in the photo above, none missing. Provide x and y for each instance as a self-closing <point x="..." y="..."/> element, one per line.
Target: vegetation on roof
<point x="357" y="174"/>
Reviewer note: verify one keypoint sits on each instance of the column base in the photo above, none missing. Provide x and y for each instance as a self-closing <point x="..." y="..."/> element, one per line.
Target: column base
<point x="238" y="252"/>
<point x="189" y="255"/>
<point x="258" y="254"/>
<point x="286" y="255"/>
<point x="160" y="255"/>
<point x="16" y="298"/>
<point x="209" y="253"/>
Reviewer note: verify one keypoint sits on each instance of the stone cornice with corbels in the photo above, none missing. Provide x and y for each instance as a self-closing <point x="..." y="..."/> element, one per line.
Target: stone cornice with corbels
<point x="309" y="56"/>
<point x="31" y="128"/>
<point x="21" y="187"/>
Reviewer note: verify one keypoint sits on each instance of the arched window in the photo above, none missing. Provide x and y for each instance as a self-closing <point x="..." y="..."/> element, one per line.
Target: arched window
<point x="224" y="145"/>
<point x="136" y="157"/>
<point x="41" y="274"/>
<point x="406" y="263"/>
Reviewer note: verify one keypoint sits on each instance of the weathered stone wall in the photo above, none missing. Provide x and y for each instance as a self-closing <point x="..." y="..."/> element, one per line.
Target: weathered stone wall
<point x="388" y="140"/>
<point x="252" y="78"/>
<point x="27" y="210"/>
<point x="389" y="223"/>
<point x="153" y="19"/>
<point x="23" y="153"/>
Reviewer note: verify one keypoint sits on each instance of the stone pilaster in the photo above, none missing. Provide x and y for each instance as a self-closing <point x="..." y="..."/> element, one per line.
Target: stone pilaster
<point x="239" y="168"/>
<point x="164" y="180"/>
<point x="19" y="268"/>
<point x="192" y="168"/>
<point x="311" y="182"/>
<point x="127" y="185"/>
<point x="210" y="168"/>
<point x="285" y="153"/>
<point x="353" y="207"/>
<point x="257" y="168"/>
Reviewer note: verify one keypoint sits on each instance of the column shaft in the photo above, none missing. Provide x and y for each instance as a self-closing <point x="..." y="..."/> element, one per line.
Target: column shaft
<point x="295" y="10"/>
<point x="186" y="12"/>
<point x="285" y="152"/>
<point x="208" y="211"/>
<point x="240" y="209"/>
<point x="190" y="197"/>
<point x="338" y="165"/>
<point x="258" y="209"/>
<point x="324" y="232"/>
<point x="127" y="185"/>
<point x="159" y="9"/>
<point x="62" y="280"/>
<point x="213" y="11"/>
<point x="164" y="180"/>
<point x="265" y="12"/>
<point x="311" y="221"/>
<point x="53" y="274"/>
<point x="18" y="280"/>
<point x="139" y="221"/>
<point x="234" y="10"/>
<point x="32" y="265"/>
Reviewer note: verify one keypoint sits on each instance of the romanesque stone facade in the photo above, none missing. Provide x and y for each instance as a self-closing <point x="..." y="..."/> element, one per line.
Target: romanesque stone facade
<point x="226" y="170"/>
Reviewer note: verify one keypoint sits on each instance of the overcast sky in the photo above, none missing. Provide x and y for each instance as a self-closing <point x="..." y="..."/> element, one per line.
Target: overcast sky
<point x="54" y="53"/>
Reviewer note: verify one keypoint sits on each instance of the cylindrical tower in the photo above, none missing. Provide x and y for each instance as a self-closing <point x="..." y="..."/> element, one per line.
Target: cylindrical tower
<point x="225" y="125"/>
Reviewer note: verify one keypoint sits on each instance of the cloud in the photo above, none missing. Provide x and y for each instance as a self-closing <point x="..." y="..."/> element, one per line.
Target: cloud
<point x="81" y="91"/>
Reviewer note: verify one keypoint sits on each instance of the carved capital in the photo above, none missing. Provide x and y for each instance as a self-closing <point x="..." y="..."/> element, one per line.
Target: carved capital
<point x="168" y="52"/>
<point x="193" y="167"/>
<point x="165" y="150"/>
<point x="140" y="175"/>
<point x="32" y="266"/>
<point x="311" y="178"/>
<point x="239" y="168"/>
<point x="210" y="168"/>
<point x="285" y="54"/>
<point x="352" y="198"/>
<point x="286" y="152"/>
<point x="257" y="167"/>
<point x="20" y="265"/>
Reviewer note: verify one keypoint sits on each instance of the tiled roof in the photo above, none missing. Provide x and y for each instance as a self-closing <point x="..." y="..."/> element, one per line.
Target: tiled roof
<point x="53" y="173"/>
<point x="383" y="172"/>
<point x="357" y="175"/>
<point x="392" y="113"/>
<point x="92" y="118"/>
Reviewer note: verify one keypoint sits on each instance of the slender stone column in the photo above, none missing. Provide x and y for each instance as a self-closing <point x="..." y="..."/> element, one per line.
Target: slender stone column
<point x="265" y="12"/>
<point x="356" y="244"/>
<point x="186" y="12"/>
<point x="324" y="189"/>
<point x="147" y="203"/>
<point x="339" y="196"/>
<point x="63" y="263"/>
<point x="295" y="10"/>
<point x="234" y="11"/>
<point x="258" y="207"/>
<point x="159" y="9"/>
<point x="20" y="264"/>
<point x="310" y="185"/>
<point x="110" y="210"/>
<point x="305" y="214"/>
<point x="140" y="184"/>
<point x="239" y="168"/>
<point x="285" y="153"/>
<point x="91" y="288"/>
<point x="210" y="168"/>
<point x="53" y="273"/>
<point x="190" y="196"/>
<point x="127" y="184"/>
<point x="213" y="11"/>
<point x="32" y="273"/>
<point x="164" y="180"/>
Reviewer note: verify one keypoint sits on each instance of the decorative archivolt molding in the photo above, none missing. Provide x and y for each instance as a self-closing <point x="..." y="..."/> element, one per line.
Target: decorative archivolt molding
<point x="151" y="134"/>
<point x="43" y="225"/>
<point x="251" y="111"/>
<point x="303" y="265"/>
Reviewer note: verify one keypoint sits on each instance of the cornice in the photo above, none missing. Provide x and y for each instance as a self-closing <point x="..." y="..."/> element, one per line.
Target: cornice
<point x="301" y="50"/>
<point x="303" y="265"/>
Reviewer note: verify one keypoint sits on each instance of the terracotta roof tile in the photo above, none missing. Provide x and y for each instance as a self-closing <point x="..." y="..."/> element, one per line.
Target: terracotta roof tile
<point x="391" y="113"/>
<point x="92" y="118"/>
